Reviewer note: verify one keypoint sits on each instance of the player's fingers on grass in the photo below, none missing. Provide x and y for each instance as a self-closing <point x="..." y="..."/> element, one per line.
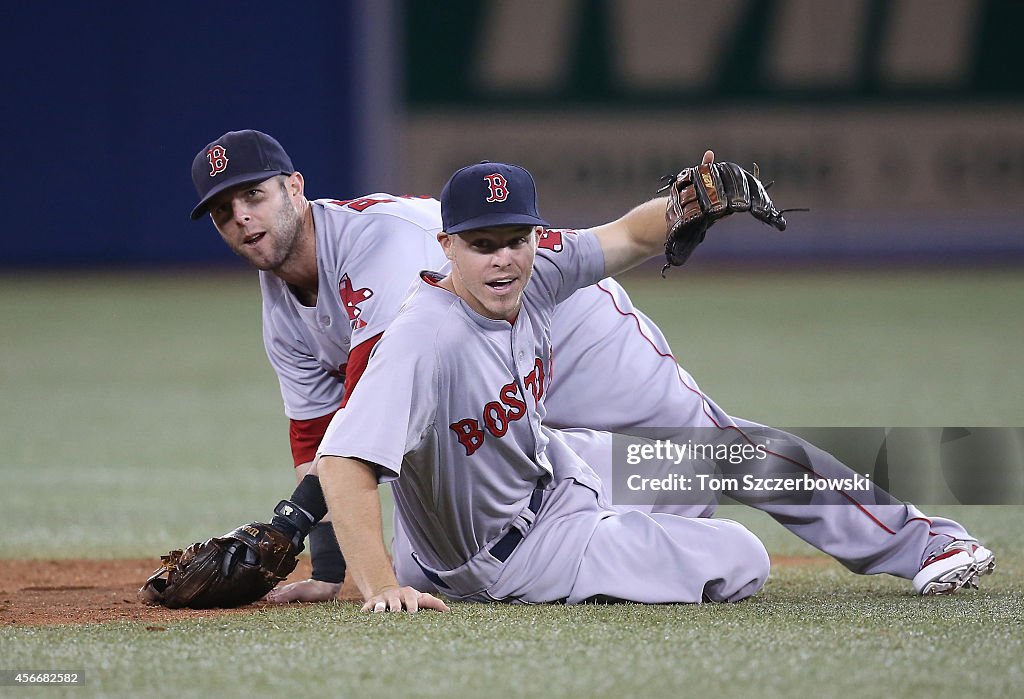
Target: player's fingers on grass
<point x="410" y="597"/>
<point x="377" y="603"/>
<point x="428" y="601"/>
<point x="395" y="603"/>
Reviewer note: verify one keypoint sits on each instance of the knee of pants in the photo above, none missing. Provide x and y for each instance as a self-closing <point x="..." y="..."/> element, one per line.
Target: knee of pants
<point x="751" y="556"/>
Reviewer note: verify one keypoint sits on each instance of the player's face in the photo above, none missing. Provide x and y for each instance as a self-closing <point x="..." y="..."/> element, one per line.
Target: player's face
<point x="490" y="267"/>
<point x="260" y="221"/>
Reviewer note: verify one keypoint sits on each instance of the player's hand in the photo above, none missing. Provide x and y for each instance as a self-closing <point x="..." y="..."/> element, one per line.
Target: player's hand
<point x="304" y="591"/>
<point x="313" y="591"/>
<point x="397" y="599"/>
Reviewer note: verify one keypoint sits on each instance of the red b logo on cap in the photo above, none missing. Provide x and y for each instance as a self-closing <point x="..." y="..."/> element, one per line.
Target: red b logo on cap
<point x="218" y="158"/>
<point x="498" y="187"/>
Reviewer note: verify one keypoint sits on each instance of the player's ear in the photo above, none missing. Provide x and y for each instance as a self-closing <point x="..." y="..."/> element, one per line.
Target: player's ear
<point x="295" y="184"/>
<point x="446" y="243"/>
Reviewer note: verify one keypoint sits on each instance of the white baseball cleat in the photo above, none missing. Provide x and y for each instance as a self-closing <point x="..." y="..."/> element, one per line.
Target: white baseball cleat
<point x="958" y="565"/>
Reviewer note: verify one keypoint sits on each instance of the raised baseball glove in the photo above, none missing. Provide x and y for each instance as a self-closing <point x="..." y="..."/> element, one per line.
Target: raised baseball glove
<point x="701" y="195"/>
<point x="227" y="571"/>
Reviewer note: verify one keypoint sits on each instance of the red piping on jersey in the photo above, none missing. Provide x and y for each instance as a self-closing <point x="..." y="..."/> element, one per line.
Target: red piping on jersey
<point x="703" y="398"/>
<point x="430" y="280"/>
<point x="357" y="360"/>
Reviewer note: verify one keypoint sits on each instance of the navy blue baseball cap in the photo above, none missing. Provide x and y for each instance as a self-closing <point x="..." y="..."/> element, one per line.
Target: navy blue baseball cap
<point x="237" y="157"/>
<point x="489" y="194"/>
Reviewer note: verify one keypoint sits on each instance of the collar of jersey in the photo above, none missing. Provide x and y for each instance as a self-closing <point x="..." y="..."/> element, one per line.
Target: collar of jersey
<point x="430" y="281"/>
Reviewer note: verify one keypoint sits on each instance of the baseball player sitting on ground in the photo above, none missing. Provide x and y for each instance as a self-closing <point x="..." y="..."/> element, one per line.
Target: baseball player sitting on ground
<point x="333" y="274"/>
<point x="495" y="505"/>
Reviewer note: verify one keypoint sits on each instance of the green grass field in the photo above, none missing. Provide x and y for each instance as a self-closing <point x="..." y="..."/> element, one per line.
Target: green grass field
<point x="133" y="405"/>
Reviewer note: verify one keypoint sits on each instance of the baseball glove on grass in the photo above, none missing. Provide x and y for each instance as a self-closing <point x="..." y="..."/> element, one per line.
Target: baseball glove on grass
<point x="701" y="195"/>
<point x="226" y="571"/>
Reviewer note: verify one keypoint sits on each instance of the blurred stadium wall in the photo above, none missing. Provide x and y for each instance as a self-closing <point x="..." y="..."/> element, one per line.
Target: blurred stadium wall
<point x="899" y="122"/>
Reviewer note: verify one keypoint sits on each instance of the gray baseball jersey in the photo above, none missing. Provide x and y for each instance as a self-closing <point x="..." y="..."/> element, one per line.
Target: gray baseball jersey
<point x="495" y="505"/>
<point x="368" y="251"/>
<point x="610" y="369"/>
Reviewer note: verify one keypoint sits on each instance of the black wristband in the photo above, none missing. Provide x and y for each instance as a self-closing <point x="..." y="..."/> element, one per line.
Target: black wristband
<point x="325" y="554"/>
<point x="310" y="497"/>
<point x="292" y="521"/>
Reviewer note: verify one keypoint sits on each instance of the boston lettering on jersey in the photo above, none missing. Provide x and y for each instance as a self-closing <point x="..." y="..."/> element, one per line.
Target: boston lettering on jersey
<point x="498" y="414"/>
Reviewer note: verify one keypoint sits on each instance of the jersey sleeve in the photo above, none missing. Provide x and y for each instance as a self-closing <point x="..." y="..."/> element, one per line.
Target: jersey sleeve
<point x="306" y="389"/>
<point x="566" y="261"/>
<point x="393" y="410"/>
<point x="310" y="394"/>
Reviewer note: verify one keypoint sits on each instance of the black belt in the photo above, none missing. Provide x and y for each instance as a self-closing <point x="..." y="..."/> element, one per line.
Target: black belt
<point x="506" y="544"/>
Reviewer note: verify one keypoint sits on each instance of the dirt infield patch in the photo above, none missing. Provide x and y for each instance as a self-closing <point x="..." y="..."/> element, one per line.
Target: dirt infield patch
<point x="43" y="593"/>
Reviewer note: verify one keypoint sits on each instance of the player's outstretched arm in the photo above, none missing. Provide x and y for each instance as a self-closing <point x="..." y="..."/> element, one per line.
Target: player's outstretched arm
<point x="638" y="236"/>
<point x="350" y="489"/>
